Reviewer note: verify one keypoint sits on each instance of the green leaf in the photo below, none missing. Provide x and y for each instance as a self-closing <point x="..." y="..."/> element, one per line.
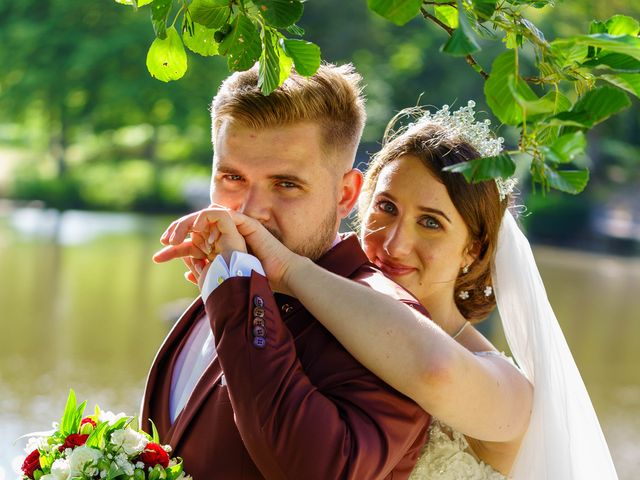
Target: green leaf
<point x="167" y="59"/>
<point x="398" y="11"/>
<point x="280" y="13"/>
<point x="463" y="41"/>
<point x="570" y="181"/>
<point x="601" y="103"/>
<point x="447" y="15"/>
<point x="625" y="44"/>
<point x="201" y="41"/>
<point x="242" y="45"/>
<point x="539" y="106"/>
<point x="486" y="168"/>
<point x="142" y="3"/>
<point x="622" y="25"/>
<point x="210" y="13"/>
<point x="295" y="30"/>
<point x="484" y="8"/>
<point x="305" y="55"/>
<point x="269" y="67"/>
<point x="597" y="27"/>
<point x="615" y="61"/>
<point x="159" y="13"/>
<point x="174" y="471"/>
<point x="285" y="62"/>
<point x="498" y="90"/>
<point x="626" y="81"/>
<point x="66" y="423"/>
<point x="565" y="148"/>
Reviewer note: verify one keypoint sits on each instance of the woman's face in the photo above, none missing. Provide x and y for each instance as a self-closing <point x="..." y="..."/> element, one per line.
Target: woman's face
<point x="413" y="232"/>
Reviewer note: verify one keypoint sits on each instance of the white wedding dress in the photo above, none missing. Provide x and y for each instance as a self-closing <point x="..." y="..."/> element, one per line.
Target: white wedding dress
<point x="447" y="456"/>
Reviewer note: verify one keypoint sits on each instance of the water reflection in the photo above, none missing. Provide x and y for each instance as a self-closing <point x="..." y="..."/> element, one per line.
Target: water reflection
<point x="83" y="306"/>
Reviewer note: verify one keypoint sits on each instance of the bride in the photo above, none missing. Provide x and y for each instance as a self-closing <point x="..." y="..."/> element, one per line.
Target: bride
<point x="457" y="248"/>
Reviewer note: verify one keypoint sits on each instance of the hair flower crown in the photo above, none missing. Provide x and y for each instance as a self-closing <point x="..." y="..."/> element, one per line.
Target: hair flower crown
<point x="462" y="123"/>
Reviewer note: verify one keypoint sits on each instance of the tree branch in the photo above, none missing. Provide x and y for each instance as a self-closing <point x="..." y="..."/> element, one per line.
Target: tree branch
<point x="469" y="59"/>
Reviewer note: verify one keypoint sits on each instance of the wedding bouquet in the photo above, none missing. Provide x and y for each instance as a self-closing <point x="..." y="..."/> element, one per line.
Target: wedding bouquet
<point x="99" y="446"/>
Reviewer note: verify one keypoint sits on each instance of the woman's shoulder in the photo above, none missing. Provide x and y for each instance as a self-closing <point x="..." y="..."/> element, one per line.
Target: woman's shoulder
<point x="447" y="456"/>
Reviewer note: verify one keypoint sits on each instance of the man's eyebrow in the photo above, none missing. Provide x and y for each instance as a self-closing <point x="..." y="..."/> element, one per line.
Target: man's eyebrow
<point x="226" y="169"/>
<point x="290" y="178"/>
<point x="420" y="207"/>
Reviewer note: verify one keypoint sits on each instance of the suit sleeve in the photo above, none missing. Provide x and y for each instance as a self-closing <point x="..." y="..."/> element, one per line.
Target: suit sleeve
<point x="359" y="428"/>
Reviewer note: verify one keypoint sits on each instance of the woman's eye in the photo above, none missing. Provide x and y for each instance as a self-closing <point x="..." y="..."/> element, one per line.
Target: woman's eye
<point x="430" y="222"/>
<point x="386" y="206"/>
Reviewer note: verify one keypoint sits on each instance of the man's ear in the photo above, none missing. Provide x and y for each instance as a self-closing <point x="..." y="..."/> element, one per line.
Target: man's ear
<point x="349" y="191"/>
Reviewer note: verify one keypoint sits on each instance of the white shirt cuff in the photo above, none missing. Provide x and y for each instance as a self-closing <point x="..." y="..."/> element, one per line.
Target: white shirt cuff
<point x="241" y="265"/>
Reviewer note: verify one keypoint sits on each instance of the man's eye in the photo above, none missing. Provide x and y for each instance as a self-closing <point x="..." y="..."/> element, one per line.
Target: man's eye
<point x="386" y="206"/>
<point x="233" y="178"/>
<point x="287" y="185"/>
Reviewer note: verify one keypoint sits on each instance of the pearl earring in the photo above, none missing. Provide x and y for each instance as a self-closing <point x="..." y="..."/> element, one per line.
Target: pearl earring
<point x="465" y="269"/>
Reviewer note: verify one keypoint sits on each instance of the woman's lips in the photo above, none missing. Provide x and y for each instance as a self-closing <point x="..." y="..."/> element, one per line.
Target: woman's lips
<point x="394" y="269"/>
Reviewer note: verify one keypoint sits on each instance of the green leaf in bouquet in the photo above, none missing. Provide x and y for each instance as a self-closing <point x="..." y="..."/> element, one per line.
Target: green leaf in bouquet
<point x="167" y="59"/>
<point x="626" y="81"/>
<point x="97" y="438"/>
<point x="486" y="168"/>
<point x="174" y="471"/>
<point x="155" y="438"/>
<point x="305" y="55"/>
<point x="622" y="25"/>
<point x="157" y="473"/>
<point x="499" y="89"/>
<point x="463" y="40"/>
<point x="37" y="475"/>
<point x="212" y="14"/>
<point x="269" y="67"/>
<point x="280" y="13"/>
<point x="565" y="148"/>
<point x="159" y="13"/>
<point x="241" y="45"/>
<point x="66" y="423"/>
<point x="398" y="11"/>
<point x="569" y="181"/>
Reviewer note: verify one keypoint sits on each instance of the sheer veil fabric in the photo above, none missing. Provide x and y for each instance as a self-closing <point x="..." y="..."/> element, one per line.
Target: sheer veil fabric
<point x="564" y="439"/>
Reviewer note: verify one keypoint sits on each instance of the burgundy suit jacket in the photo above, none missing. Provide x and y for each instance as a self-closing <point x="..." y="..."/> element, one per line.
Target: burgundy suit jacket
<point x="300" y="407"/>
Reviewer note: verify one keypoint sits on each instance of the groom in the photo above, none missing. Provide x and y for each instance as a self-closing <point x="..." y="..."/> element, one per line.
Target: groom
<point x="248" y="385"/>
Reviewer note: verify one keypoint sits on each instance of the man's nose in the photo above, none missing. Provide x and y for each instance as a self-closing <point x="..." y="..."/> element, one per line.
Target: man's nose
<point x="397" y="241"/>
<point x="256" y="204"/>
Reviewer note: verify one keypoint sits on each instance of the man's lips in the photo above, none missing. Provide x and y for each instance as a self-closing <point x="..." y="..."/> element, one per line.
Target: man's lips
<point x="394" y="269"/>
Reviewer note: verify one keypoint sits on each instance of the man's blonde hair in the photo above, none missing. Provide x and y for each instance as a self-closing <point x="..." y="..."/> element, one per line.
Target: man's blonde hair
<point x="331" y="98"/>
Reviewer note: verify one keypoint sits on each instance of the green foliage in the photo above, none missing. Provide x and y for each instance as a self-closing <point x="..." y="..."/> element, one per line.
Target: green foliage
<point x="167" y="59"/>
<point x="486" y="168"/>
<point x="398" y="11"/>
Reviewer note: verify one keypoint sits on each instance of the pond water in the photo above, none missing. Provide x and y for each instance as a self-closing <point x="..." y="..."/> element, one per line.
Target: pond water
<point x="83" y="306"/>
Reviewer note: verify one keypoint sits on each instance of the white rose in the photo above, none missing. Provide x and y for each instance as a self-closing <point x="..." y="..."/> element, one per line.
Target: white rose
<point x="110" y="417"/>
<point x="129" y="440"/>
<point x="83" y="460"/>
<point x="60" y="469"/>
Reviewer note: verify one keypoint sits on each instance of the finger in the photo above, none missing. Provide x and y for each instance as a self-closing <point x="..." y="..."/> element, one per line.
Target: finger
<point x="191" y="277"/>
<point x="207" y="217"/>
<point x="198" y="239"/>
<point x="164" y="238"/>
<point x="182" y="228"/>
<point x="185" y="249"/>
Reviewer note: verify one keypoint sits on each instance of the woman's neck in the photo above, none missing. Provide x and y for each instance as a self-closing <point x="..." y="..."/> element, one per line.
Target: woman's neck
<point x="444" y="312"/>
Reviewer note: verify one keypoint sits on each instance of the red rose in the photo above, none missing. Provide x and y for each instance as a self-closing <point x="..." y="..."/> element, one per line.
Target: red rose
<point x="73" y="440"/>
<point x="31" y="463"/>
<point x="153" y="455"/>
<point x="88" y="420"/>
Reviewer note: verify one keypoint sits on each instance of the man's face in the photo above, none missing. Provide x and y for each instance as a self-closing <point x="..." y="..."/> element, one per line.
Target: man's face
<point x="280" y="177"/>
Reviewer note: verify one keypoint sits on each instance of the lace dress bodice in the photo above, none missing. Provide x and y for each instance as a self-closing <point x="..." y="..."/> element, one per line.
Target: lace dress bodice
<point x="447" y="456"/>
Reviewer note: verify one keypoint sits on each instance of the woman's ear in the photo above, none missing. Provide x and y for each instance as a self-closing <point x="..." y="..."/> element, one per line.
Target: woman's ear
<point x="471" y="253"/>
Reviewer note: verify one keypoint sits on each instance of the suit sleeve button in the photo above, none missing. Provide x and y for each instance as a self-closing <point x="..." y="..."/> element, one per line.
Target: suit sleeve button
<point x="286" y="308"/>
<point x="259" y="342"/>
<point x="258" y="312"/>
<point x="258" y="301"/>
<point x="259" y="331"/>
<point x="258" y="322"/>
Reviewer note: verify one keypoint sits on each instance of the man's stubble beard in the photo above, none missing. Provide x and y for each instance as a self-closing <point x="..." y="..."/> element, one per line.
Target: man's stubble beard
<point x="319" y="242"/>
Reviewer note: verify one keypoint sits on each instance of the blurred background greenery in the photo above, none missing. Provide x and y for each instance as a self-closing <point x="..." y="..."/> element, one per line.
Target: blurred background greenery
<point x="84" y="127"/>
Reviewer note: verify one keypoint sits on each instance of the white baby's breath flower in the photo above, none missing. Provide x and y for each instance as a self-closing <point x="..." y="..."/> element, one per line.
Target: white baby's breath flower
<point x="39" y="443"/>
<point x="60" y="469"/>
<point x="123" y="462"/>
<point x="129" y="440"/>
<point x="139" y="465"/>
<point x="83" y="460"/>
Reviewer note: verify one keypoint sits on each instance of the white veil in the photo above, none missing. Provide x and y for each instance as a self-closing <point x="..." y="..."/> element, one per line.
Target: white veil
<point x="564" y="440"/>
